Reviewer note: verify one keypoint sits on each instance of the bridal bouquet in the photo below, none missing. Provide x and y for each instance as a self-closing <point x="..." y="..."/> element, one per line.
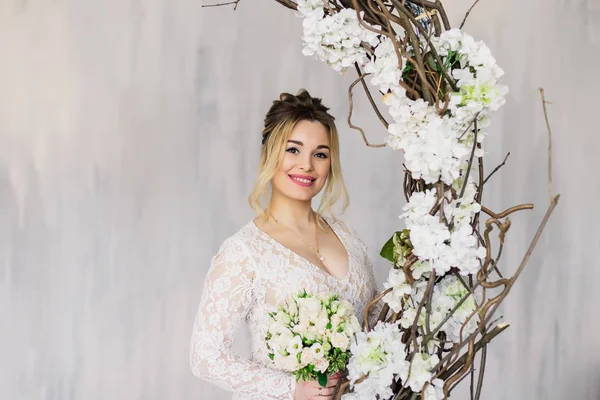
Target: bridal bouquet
<point x="309" y="335"/>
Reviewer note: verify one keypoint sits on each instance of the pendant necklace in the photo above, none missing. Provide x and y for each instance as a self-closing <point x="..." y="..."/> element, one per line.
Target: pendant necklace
<point x="316" y="250"/>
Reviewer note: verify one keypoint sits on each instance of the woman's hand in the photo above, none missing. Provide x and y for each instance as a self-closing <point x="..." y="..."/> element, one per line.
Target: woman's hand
<point x="311" y="390"/>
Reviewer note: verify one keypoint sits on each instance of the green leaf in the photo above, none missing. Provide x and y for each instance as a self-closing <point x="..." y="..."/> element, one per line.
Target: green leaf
<point x="322" y="379"/>
<point x="387" y="251"/>
<point x="329" y="326"/>
<point x="271" y="356"/>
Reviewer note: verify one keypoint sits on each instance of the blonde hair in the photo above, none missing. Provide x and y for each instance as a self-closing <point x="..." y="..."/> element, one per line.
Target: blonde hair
<point x="281" y="119"/>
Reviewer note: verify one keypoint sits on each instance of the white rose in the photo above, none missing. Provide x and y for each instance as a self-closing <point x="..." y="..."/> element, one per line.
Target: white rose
<point x="286" y="363"/>
<point x="340" y="340"/>
<point x="289" y="363"/>
<point x="300" y="329"/>
<point x="311" y="333"/>
<point x="283" y="318"/>
<point x="322" y="364"/>
<point x="334" y="305"/>
<point x="307" y="356"/>
<point x="303" y="316"/>
<point x="313" y="308"/>
<point x="345" y="308"/>
<point x="278" y="328"/>
<point x="292" y="307"/>
<point x="335" y="320"/>
<point x="322" y="321"/>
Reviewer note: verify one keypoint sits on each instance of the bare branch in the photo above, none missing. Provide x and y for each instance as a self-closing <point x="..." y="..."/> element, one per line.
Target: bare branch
<point x="467" y="14"/>
<point x="544" y="102"/>
<point x="235" y="3"/>
<point x="360" y="78"/>
<point x="288" y="3"/>
<point x="381" y="118"/>
<point x="497" y="168"/>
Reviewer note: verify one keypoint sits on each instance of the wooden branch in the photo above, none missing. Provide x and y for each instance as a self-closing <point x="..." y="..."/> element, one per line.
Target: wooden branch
<point x="544" y="102"/>
<point x="366" y="88"/>
<point x="467" y="14"/>
<point x="351" y="104"/>
<point x="484" y="340"/>
<point x="235" y="3"/>
<point x="288" y="3"/>
<point x="497" y="168"/>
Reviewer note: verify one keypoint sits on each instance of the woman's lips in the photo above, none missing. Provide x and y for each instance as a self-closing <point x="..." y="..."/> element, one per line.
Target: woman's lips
<point x="301" y="182"/>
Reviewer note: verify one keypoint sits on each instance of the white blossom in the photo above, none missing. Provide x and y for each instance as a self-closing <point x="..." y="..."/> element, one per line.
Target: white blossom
<point x="380" y="354"/>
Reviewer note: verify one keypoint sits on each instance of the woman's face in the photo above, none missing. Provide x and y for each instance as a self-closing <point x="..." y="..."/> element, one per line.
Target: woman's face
<point x="306" y="163"/>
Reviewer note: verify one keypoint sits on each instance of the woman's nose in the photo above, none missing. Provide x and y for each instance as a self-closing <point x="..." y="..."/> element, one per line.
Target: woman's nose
<point x="306" y="163"/>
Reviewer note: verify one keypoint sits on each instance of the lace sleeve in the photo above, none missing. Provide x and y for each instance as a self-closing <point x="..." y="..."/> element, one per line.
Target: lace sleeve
<point x="226" y="299"/>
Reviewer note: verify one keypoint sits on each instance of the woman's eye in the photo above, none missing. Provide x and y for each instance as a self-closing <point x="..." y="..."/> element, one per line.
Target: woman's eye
<point x="292" y="150"/>
<point x="321" y="155"/>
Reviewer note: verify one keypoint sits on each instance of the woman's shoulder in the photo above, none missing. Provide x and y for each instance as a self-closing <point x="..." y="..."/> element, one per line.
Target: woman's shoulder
<point x="243" y="238"/>
<point x="347" y="229"/>
<point x="341" y="224"/>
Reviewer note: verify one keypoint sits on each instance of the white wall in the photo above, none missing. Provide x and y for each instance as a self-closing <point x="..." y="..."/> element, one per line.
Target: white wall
<point x="129" y="139"/>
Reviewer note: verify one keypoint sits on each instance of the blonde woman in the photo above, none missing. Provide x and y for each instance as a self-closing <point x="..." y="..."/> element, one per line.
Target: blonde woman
<point x="286" y="248"/>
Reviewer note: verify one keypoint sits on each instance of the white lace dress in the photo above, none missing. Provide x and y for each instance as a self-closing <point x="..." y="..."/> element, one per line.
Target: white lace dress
<point x="248" y="277"/>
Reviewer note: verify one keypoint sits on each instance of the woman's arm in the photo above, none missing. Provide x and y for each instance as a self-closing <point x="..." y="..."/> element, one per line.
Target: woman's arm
<point x="226" y="299"/>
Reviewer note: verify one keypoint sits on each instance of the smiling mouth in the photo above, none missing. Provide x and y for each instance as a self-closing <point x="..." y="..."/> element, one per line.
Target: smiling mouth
<point x="302" y="181"/>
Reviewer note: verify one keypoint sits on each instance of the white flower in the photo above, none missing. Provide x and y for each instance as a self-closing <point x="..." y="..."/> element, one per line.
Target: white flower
<point x="434" y="390"/>
<point x="335" y="39"/>
<point x="321" y="364"/>
<point x="384" y="67"/>
<point x="295" y="346"/>
<point x="283" y="318"/>
<point x="351" y="326"/>
<point x="317" y="351"/>
<point x="307" y="356"/>
<point x="340" y="341"/>
<point x="287" y="363"/>
<point x="419" y="371"/>
<point x="300" y="329"/>
<point x="397" y="281"/>
<point x="345" y="308"/>
<point x="380" y="354"/>
<point x="309" y="308"/>
<point x="322" y="321"/>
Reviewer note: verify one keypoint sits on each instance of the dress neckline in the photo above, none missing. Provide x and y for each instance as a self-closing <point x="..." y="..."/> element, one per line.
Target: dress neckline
<point x="307" y="261"/>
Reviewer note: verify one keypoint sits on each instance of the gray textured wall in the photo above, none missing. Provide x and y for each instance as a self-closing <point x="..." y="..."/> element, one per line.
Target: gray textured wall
<point x="129" y="138"/>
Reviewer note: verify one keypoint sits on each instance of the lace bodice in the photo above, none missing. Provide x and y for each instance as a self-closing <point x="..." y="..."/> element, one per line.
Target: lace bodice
<point x="247" y="278"/>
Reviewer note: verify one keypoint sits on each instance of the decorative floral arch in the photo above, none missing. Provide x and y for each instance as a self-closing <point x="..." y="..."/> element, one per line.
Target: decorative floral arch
<point x="441" y="88"/>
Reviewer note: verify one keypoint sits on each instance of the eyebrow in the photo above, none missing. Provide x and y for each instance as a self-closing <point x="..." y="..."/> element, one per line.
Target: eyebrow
<point x="321" y="146"/>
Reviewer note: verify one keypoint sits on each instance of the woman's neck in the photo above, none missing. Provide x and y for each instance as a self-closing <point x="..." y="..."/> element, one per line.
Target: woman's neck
<point x="292" y="213"/>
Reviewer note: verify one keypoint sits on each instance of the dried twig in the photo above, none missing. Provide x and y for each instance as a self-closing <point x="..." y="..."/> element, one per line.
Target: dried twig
<point x="544" y="102"/>
<point x="288" y="3"/>
<point x="366" y="88"/>
<point x="497" y="168"/>
<point x="351" y="104"/>
<point x="467" y="14"/>
<point x="235" y="3"/>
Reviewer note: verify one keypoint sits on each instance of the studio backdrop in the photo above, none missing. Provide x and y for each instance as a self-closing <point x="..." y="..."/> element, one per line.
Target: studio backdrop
<point x="129" y="142"/>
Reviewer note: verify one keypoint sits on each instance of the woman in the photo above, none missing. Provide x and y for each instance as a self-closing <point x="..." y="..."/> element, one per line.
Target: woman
<point x="286" y="248"/>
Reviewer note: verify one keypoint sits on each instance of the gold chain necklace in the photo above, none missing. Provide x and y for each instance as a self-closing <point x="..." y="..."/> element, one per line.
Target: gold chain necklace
<point x="303" y="241"/>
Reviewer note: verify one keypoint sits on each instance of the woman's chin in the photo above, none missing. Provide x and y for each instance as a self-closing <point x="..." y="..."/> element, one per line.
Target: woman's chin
<point x="306" y="196"/>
